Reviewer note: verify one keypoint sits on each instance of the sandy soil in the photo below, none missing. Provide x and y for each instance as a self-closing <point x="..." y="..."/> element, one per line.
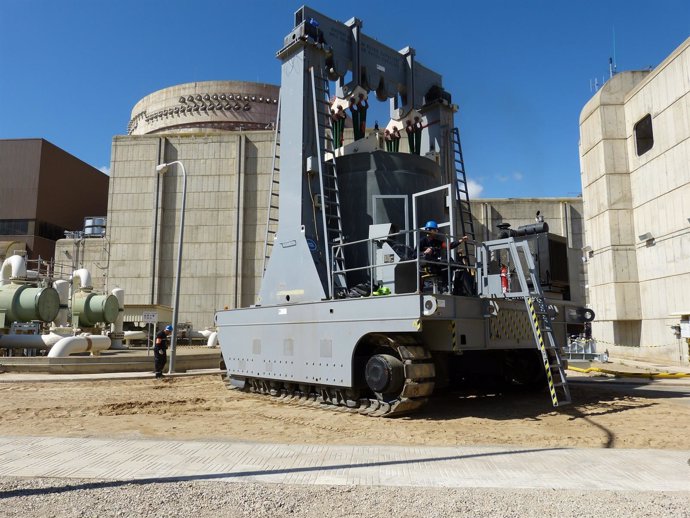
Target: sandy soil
<point x="202" y="408"/>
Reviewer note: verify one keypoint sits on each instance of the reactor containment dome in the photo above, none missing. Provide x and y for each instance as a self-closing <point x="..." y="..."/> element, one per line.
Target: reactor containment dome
<point x="207" y="105"/>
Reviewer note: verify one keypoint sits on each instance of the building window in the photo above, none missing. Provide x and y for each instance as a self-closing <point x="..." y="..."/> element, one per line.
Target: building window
<point x="644" y="136"/>
<point x="14" y="227"/>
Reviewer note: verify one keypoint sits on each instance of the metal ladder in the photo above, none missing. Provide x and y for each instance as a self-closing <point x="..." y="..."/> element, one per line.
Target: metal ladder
<point x="328" y="179"/>
<point x="530" y="291"/>
<point x="273" y="194"/>
<point x="462" y="196"/>
<point x="543" y="335"/>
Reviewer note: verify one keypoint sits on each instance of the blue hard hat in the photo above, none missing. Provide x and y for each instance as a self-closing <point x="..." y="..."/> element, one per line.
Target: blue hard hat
<point x="168" y="328"/>
<point x="431" y="224"/>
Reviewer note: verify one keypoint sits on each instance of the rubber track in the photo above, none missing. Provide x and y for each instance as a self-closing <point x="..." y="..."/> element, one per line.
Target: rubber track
<point x="419" y="384"/>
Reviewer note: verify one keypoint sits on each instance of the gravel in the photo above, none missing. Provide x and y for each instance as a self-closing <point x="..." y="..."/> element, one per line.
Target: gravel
<point x="47" y="497"/>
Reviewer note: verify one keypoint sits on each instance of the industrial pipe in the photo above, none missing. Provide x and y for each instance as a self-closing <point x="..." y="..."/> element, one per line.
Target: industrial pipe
<point x="81" y="280"/>
<point x="200" y="334"/>
<point x="116" y="334"/>
<point x="14" y="267"/>
<point x="211" y="336"/>
<point x="14" y="341"/>
<point x="79" y="344"/>
<point x="134" y="335"/>
<point x="212" y="340"/>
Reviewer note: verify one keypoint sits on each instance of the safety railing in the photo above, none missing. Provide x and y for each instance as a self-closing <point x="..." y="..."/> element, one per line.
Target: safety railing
<point x="439" y="270"/>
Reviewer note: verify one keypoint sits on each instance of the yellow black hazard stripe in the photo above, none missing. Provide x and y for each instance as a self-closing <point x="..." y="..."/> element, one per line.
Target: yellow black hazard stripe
<point x="542" y="348"/>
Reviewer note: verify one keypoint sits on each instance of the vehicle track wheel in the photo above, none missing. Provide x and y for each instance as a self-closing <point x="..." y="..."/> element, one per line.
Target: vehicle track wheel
<point x="384" y="374"/>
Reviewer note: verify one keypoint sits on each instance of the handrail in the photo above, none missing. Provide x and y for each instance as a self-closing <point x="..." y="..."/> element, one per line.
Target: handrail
<point x="449" y="264"/>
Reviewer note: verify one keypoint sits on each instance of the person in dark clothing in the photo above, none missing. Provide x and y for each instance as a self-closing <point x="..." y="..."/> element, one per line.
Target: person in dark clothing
<point x="358" y="111"/>
<point x="409" y="129"/>
<point x="338" y="117"/>
<point x="388" y="139"/>
<point x="359" y="116"/>
<point x="587" y="330"/>
<point x="395" y="139"/>
<point x="432" y="246"/>
<point x="312" y="29"/>
<point x="159" y="350"/>
<point x="418" y="126"/>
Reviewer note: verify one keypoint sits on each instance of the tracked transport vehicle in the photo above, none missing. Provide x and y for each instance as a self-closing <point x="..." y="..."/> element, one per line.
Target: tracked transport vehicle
<point x="354" y="309"/>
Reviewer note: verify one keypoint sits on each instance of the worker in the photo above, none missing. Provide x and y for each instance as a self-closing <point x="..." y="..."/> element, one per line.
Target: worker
<point x="358" y="110"/>
<point x="587" y="331"/>
<point x="388" y="139"/>
<point x="159" y="350"/>
<point x="409" y="129"/>
<point x="362" y="106"/>
<point x="312" y="29"/>
<point x="354" y="113"/>
<point x="432" y="246"/>
<point x="395" y="139"/>
<point x="338" y="117"/>
<point x="418" y="126"/>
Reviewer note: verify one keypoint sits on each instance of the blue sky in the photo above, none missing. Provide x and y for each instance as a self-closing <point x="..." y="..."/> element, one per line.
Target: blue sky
<point x="72" y="70"/>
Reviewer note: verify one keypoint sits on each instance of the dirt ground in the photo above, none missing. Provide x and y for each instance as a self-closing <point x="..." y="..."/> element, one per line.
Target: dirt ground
<point x="202" y="408"/>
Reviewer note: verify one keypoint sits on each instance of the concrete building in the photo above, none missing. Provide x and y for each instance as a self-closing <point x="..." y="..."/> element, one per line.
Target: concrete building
<point x="45" y="191"/>
<point x="635" y="166"/>
<point x="227" y="153"/>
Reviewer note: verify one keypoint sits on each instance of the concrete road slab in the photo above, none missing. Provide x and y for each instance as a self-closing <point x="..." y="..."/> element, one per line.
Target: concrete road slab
<point x="487" y="467"/>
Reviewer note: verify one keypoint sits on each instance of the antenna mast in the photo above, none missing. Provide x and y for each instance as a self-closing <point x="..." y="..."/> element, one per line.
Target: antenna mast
<point x="612" y="61"/>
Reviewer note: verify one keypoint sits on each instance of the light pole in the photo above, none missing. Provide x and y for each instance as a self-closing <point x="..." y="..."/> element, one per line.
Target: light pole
<point x="161" y="169"/>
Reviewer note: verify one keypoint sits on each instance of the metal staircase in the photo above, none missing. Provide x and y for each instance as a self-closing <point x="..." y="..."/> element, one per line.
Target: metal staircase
<point x="273" y="194"/>
<point x="518" y="255"/>
<point x="328" y="179"/>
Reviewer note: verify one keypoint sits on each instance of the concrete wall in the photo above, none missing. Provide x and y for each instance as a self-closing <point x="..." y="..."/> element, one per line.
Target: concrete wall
<point x="227" y="181"/>
<point x="637" y="285"/>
